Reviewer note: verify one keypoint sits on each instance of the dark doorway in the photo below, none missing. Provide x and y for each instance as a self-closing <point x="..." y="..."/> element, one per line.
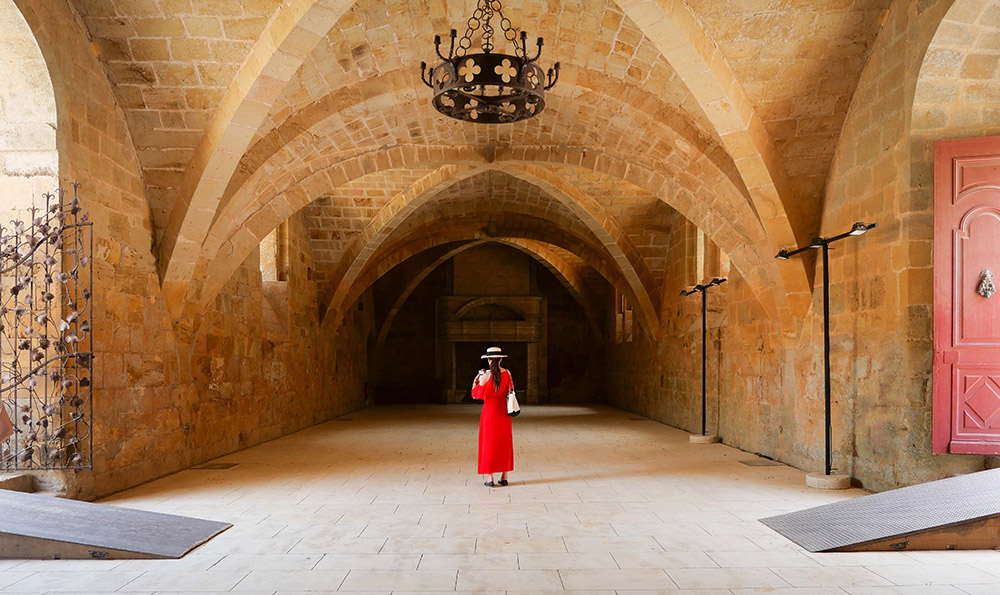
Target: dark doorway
<point x="468" y="361"/>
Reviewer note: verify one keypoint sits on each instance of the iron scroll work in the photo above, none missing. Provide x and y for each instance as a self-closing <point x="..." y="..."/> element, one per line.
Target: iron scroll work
<point x="46" y="339"/>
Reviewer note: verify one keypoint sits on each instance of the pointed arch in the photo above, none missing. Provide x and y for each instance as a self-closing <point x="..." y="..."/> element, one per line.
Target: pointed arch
<point x="288" y="40"/>
<point x="676" y="32"/>
<point x="537" y="250"/>
<point x="523" y="230"/>
<point x="596" y="219"/>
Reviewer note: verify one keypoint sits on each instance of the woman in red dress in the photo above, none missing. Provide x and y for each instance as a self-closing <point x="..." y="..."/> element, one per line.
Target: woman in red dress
<point x="496" y="443"/>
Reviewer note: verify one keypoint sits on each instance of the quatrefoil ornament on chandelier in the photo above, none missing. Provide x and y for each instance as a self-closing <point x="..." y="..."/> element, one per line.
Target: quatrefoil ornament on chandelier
<point x="488" y="88"/>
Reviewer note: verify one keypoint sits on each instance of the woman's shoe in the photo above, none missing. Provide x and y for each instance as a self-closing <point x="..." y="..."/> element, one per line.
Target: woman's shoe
<point x="489" y="484"/>
<point x="502" y="482"/>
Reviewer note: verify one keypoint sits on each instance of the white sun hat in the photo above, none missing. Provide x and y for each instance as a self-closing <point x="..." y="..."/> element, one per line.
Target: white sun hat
<point x="493" y="352"/>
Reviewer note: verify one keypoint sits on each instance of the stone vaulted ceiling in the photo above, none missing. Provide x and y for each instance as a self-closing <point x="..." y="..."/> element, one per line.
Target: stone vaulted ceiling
<point x="244" y="112"/>
<point x="799" y="63"/>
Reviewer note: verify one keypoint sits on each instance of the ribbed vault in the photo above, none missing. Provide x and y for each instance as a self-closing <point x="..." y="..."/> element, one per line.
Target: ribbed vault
<point x="245" y="112"/>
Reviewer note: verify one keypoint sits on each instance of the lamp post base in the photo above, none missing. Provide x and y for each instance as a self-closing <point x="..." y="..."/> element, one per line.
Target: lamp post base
<point x="706" y="439"/>
<point x="822" y="481"/>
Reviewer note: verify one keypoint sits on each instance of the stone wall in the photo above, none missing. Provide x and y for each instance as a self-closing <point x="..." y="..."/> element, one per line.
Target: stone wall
<point x="28" y="158"/>
<point x="771" y="388"/>
<point x="575" y="358"/>
<point x="162" y="403"/>
<point x="491" y="270"/>
<point x="406" y="360"/>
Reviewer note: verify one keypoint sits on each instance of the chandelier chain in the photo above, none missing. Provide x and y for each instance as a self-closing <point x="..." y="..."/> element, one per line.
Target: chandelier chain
<point x="482" y="18"/>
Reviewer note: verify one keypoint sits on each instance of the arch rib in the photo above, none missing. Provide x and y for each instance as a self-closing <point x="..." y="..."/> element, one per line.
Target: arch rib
<point x="239" y="229"/>
<point x="589" y="211"/>
<point x="289" y="38"/>
<point x="470" y="231"/>
<point x="602" y="225"/>
<point x="676" y="32"/>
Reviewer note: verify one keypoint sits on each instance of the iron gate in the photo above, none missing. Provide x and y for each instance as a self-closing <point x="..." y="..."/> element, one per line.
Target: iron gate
<point x="46" y="338"/>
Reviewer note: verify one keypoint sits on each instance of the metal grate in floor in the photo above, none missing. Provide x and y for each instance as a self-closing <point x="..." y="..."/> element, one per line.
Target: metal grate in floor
<point x="896" y="512"/>
<point x="763" y="463"/>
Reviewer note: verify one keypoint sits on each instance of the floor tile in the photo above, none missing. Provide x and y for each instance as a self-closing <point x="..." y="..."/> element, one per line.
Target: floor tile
<point x="365" y="545"/>
<point x="762" y="559"/>
<point x="520" y="544"/>
<point x="12" y="577"/>
<point x="468" y="562"/>
<point x="292" y="580"/>
<point x="629" y="579"/>
<point x="559" y="561"/>
<point x="509" y="580"/>
<point x="664" y="560"/>
<point x="62" y="582"/>
<point x="789" y="591"/>
<point x="935" y="574"/>
<point x="368" y="562"/>
<point x="827" y="576"/>
<point x="268" y="562"/>
<point x="194" y="582"/>
<point x="992" y="589"/>
<point x="398" y="580"/>
<point x="725" y="578"/>
<point x="607" y="544"/>
<point x="72" y="565"/>
<point x="910" y="590"/>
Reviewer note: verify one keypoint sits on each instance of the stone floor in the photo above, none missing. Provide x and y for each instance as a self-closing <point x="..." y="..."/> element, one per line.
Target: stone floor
<point x="387" y="500"/>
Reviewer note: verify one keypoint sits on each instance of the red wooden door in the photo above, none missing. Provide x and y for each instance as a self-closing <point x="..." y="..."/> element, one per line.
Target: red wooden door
<point x="966" y="313"/>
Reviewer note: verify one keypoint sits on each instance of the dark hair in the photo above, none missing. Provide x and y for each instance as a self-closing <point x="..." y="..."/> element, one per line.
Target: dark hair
<point x="495" y="372"/>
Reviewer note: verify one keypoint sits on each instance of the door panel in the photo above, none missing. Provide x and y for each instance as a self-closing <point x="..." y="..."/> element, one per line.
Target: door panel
<point x="966" y="324"/>
<point x="977" y="319"/>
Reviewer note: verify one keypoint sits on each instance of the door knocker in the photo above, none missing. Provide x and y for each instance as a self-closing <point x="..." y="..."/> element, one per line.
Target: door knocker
<point x="986" y="287"/>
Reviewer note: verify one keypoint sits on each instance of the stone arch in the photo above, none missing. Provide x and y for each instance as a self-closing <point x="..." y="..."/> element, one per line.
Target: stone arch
<point x="381" y="88"/>
<point x="231" y="241"/>
<point x="365" y="246"/>
<point x="238" y="199"/>
<point x="248" y="236"/>
<point x="956" y="87"/>
<point x="610" y="234"/>
<point x="607" y="231"/>
<point x="490" y="301"/>
<point x="213" y="172"/>
<point x="561" y="270"/>
<point x="469" y="230"/>
<point x="676" y="32"/>
<point x="289" y="38"/>
<point x="536" y="250"/>
<point x="288" y="169"/>
<point x="29" y="160"/>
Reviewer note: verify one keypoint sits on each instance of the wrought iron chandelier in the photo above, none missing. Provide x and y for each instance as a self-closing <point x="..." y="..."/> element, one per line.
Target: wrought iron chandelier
<point x="486" y="87"/>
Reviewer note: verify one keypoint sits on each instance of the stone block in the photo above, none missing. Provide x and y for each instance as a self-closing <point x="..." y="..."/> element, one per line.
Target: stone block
<point x="30" y="164"/>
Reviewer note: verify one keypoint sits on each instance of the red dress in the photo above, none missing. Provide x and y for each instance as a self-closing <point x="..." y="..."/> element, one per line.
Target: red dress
<point x="496" y="443"/>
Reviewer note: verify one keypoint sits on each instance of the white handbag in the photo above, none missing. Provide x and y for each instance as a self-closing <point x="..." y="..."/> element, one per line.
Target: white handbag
<point x="513" y="409"/>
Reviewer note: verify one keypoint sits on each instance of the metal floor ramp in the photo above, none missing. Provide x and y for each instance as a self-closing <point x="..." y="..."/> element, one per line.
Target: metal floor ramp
<point x="956" y="513"/>
<point x="43" y="527"/>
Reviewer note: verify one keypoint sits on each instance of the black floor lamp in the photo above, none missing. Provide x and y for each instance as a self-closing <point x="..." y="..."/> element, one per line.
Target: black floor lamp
<point x="703" y="289"/>
<point x="858" y="229"/>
